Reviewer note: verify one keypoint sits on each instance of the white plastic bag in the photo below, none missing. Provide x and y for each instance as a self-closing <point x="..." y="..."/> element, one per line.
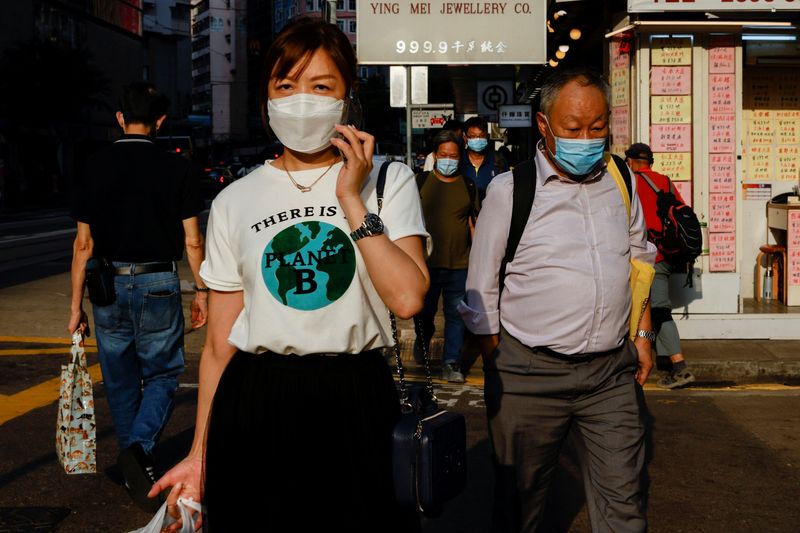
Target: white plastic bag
<point x="188" y="508"/>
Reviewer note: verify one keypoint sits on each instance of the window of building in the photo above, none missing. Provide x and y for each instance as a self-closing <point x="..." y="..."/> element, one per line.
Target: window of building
<point x="339" y="4"/>
<point x="340" y="24"/>
<point x="352" y="5"/>
<point x="352" y="25"/>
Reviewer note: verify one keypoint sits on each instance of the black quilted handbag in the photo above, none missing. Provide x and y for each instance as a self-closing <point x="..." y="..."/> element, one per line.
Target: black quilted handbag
<point x="429" y="443"/>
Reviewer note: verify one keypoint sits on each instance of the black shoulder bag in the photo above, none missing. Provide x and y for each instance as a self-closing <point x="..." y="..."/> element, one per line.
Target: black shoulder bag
<point x="429" y="444"/>
<point x="100" y="281"/>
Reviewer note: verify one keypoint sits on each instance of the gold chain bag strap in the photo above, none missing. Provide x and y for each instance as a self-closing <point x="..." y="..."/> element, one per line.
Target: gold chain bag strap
<point x="429" y="444"/>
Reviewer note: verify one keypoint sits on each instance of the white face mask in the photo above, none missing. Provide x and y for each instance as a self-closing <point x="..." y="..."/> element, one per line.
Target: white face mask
<point x="305" y="122"/>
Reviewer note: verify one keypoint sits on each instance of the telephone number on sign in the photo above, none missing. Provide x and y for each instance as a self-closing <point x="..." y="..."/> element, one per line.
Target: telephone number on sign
<point x="442" y="47"/>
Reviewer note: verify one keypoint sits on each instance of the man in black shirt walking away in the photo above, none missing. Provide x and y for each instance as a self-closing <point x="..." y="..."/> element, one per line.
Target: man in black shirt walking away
<point x="136" y="210"/>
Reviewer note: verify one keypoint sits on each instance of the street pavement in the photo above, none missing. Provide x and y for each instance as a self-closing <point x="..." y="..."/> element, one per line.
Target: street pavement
<point x="725" y="451"/>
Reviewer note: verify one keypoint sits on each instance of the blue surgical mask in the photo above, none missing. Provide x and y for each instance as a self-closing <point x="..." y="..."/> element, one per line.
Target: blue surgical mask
<point x="478" y="144"/>
<point x="577" y="156"/>
<point x="446" y="167"/>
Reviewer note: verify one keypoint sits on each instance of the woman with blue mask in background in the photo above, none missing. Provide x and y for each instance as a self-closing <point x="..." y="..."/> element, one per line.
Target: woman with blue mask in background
<point x="301" y="269"/>
<point x="450" y="204"/>
<point x="479" y="161"/>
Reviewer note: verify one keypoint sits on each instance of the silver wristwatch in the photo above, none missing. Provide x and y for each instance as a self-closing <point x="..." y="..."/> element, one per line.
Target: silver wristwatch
<point x="647" y="334"/>
<point x="372" y="225"/>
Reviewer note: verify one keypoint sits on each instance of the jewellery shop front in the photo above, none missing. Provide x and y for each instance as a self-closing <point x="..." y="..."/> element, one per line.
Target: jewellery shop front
<point x="713" y="86"/>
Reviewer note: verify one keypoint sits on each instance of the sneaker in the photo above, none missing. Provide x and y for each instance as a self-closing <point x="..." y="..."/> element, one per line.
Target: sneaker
<point x="451" y="373"/>
<point x="139" y="474"/>
<point x="674" y="380"/>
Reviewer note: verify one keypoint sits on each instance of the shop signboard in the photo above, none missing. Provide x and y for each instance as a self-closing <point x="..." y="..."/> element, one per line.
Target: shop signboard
<point x="645" y="6"/>
<point x="448" y="32"/>
<point x="431" y="118"/>
<point x="516" y="116"/>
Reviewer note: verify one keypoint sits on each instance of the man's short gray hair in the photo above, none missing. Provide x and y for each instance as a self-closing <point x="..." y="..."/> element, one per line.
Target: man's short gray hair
<point x="586" y="77"/>
<point x="448" y="136"/>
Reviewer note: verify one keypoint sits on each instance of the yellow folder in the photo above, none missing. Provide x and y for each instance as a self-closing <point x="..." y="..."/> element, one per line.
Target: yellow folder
<point x="642" y="273"/>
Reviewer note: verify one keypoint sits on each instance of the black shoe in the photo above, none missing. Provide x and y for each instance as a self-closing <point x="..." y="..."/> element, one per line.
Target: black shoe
<point x="138" y="471"/>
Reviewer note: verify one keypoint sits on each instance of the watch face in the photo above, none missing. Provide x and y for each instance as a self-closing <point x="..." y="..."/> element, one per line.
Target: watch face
<point x="373" y="223"/>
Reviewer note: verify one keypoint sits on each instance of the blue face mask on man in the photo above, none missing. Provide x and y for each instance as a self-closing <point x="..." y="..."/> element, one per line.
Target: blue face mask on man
<point x="446" y="167"/>
<point x="576" y="156"/>
<point x="477" y="144"/>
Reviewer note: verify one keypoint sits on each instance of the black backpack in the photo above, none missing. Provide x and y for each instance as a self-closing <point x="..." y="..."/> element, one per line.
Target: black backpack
<point x="524" y="192"/>
<point x="681" y="240"/>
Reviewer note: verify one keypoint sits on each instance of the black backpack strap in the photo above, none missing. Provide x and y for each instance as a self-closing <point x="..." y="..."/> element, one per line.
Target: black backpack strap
<point x="625" y="171"/>
<point x="381" y="183"/>
<point x="472" y="191"/>
<point x="421" y="178"/>
<point x="524" y="192"/>
<point x="652" y="185"/>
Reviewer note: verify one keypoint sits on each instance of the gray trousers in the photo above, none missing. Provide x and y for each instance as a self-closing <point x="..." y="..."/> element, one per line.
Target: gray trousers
<point x="668" y="341"/>
<point x="533" y="400"/>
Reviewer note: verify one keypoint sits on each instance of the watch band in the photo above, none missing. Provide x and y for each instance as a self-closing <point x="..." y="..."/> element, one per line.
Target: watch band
<point x="647" y="334"/>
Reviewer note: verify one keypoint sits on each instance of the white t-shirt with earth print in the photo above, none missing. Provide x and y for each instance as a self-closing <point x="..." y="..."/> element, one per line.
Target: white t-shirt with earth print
<point x="306" y="287"/>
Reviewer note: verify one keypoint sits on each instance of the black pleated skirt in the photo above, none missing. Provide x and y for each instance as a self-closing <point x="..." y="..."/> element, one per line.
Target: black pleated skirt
<point x="303" y="443"/>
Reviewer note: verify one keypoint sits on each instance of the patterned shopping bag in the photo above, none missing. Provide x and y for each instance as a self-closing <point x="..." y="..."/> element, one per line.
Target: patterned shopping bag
<point x="75" y="428"/>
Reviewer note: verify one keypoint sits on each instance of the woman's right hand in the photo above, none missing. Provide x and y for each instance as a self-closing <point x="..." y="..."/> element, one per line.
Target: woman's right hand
<point x="186" y="478"/>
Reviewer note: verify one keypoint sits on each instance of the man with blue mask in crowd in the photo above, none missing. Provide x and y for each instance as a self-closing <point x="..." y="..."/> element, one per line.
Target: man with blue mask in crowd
<point x="479" y="161"/>
<point x="450" y="205"/>
<point x="557" y="353"/>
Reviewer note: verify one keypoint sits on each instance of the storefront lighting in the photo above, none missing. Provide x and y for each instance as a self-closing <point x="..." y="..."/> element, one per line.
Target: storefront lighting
<point x="564" y="48"/>
<point x="574" y="34"/>
<point x="557" y="14"/>
<point x="553" y="63"/>
<point x="754" y="37"/>
<point x="560" y="54"/>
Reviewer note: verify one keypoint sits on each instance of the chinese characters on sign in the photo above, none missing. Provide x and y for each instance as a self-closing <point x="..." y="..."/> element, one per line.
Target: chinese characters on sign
<point x="771" y="143"/>
<point x="793" y="246"/>
<point x="722" y="173"/>
<point x="620" y="96"/>
<point x="447" y="32"/>
<point x="721" y="148"/>
<point x="722" y="252"/>
<point x="676" y="165"/>
<point x="671" y="80"/>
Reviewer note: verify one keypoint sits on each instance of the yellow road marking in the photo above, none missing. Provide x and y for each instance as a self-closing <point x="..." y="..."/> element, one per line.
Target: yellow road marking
<point x="46" y="340"/>
<point x="41" y="351"/>
<point x="40" y="395"/>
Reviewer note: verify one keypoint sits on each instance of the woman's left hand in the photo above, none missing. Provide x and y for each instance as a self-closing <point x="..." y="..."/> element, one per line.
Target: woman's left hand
<point x="357" y="151"/>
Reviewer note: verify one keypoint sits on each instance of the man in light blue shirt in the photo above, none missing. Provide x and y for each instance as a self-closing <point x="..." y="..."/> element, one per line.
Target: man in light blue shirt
<point x="556" y="351"/>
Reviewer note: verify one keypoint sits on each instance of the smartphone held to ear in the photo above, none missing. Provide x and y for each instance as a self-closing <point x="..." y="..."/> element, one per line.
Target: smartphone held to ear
<point x="352" y="114"/>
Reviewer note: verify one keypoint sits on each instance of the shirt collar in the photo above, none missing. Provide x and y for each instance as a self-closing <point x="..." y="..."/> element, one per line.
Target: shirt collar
<point x="134" y="137"/>
<point x="549" y="173"/>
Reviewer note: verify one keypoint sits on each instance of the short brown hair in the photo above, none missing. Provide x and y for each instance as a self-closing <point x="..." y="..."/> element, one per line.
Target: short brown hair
<point x="295" y="45"/>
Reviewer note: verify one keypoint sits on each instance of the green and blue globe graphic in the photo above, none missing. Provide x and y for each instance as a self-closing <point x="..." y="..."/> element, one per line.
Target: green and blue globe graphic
<point x="309" y="265"/>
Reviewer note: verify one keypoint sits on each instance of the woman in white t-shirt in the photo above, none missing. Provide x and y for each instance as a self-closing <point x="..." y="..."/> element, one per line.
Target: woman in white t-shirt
<point x="301" y="271"/>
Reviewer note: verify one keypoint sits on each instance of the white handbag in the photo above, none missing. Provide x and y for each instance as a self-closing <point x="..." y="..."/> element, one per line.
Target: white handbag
<point x="188" y="509"/>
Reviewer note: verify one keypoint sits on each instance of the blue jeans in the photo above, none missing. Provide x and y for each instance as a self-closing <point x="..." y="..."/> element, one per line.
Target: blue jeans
<point x="451" y="284"/>
<point x="140" y="347"/>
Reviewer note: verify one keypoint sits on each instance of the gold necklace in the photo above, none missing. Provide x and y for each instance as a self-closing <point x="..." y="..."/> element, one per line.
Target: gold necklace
<point x="304" y="188"/>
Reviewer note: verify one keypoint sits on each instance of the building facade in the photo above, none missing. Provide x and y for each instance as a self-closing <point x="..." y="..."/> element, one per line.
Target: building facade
<point x="69" y="59"/>
<point x="219" y="67"/>
<point x="714" y="89"/>
<point x="168" y="52"/>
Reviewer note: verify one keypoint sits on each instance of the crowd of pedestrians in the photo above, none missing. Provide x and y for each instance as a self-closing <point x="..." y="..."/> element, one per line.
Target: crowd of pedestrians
<point x="299" y="265"/>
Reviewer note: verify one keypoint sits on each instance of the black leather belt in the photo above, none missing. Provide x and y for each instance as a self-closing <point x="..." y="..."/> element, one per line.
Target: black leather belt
<point x="145" y="268"/>
<point x="579" y="357"/>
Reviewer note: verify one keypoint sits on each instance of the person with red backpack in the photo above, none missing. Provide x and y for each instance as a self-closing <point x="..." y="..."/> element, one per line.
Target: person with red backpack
<point x="651" y="185"/>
